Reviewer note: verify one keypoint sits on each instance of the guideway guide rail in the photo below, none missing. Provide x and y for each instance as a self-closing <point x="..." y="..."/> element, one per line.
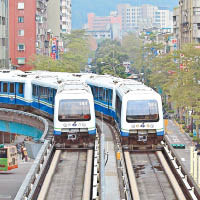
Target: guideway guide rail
<point x="69" y="176"/>
<point x="150" y="176"/>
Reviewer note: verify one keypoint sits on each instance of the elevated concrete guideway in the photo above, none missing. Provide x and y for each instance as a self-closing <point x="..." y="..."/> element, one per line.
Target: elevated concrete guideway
<point x="11" y="181"/>
<point x="112" y="188"/>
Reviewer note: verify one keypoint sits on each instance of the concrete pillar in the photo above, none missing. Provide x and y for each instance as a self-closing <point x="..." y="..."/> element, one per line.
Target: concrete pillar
<point x="195" y="166"/>
<point x="192" y="161"/>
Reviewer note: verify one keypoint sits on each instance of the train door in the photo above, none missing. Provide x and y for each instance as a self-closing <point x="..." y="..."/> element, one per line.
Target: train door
<point x="19" y="93"/>
<point x="12" y="93"/>
<point x="4" y="89"/>
<point x="52" y="93"/>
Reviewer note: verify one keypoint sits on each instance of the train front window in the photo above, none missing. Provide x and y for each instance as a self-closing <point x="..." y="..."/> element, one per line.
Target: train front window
<point x="74" y="110"/>
<point x="142" y="111"/>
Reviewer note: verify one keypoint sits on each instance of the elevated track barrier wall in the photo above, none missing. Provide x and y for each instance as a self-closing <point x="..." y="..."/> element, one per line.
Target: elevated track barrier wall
<point x="21" y="117"/>
<point x="29" y="186"/>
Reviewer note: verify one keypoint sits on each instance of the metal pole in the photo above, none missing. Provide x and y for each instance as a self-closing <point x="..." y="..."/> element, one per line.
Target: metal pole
<point x="192" y="161"/>
<point x="195" y="166"/>
<point x="102" y="162"/>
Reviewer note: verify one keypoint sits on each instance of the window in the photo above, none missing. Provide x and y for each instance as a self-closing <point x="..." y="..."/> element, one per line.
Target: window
<point x="74" y="110"/>
<point x="5" y="87"/>
<point x="21" y="61"/>
<point x="21" y="88"/>
<point x="34" y="92"/>
<point x="142" y="111"/>
<point x="20" y="5"/>
<point x="21" y="32"/>
<point x="21" y="47"/>
<point x="3" y="21"/>
<point x="20" y="19"/>
<point x="118" y="107"/>
<point x="12" y="88"/>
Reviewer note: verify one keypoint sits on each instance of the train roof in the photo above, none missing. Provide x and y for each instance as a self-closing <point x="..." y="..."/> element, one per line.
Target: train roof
<point x="74" y="87"/>
<point x="13" y="76"/>
<point x="135" y="87"/>
<point x="107" y="81"/>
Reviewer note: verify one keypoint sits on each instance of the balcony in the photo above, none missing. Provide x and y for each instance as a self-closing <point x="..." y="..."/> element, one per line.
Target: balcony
<point x="196" y="3"/>
<point x="64" y="19"/>
<point x="196" y="33"/>
<point x="195" y="19"/>
<point x="64" y="4"/>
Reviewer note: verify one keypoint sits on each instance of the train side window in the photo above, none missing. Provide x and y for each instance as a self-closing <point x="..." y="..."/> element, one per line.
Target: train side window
<point x="5" y="87"/>
<point x="34" y="91"/>
<point x="50" y="95"/>
<point x="110" y="96"/>
<point x="101" y="93"/>
<point x="104" y="95"/>
<point x="12" y="87"/>
<point x="54" y="94"/>
<point x="21" y="88"/>
<point x="96" y="92"/>
<point x="118" y="106"/>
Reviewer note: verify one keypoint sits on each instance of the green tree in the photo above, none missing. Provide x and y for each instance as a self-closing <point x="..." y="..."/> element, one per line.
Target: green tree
<point x="109" y="58"/>
<point x="133" y="47"/>
<point x="73" y="60"/>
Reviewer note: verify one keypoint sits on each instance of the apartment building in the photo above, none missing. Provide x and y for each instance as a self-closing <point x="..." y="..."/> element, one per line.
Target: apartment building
<point x="187" y="18"/>
<point x="106" y="27"/>
<point x="28" y="31"/>
<point x="4" y="53"/>
<point x="59" y="17"/>
<point x="145" y="16"/>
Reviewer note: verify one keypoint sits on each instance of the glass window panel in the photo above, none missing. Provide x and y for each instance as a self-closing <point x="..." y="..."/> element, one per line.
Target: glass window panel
<point x="74" y="110"/>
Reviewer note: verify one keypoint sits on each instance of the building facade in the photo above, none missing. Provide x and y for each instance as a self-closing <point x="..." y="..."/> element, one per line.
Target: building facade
<point x="143" y="17"/>
<point x="187" y="19"/>
<point x="4" y="52"/>
<point x="59" y="17"/>
<point x="28" y="31"/>
<point x="108" y="27"/>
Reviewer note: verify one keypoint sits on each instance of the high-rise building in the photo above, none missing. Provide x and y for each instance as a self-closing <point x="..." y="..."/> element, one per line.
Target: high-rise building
<point x="4" y="53"/>
<point x="27" y="31"/>
<point x="176" y="24"/>
<point x="145" y="16"/>
<point x="104" y="27"/>
<point x="187" y="18"/>
<point x="59" y="17"/>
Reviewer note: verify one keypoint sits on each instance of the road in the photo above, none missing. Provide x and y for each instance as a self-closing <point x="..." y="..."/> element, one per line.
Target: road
<point x="178" y="136"/>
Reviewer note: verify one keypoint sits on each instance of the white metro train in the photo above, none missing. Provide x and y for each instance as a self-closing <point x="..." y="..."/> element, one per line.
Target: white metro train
<point x="37" y="92"/>
<point x="74" y="116"/>
<point x="136" y="108"/>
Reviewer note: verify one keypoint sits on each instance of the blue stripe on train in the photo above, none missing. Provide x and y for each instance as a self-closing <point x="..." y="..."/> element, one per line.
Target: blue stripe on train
<point x="91" y="132"/>
<point x="8" y="100"/>
<point x="105" y="110"/>
<point x="57" y="132"/>
<point x="43" y="107"/>
<point x="124" y="134"/>
<point x="160" y="133"/>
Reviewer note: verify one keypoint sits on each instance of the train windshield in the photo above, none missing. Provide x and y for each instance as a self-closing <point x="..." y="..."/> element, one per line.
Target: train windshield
<point x="74" y="110"/>
<point x="142" y="111"/>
